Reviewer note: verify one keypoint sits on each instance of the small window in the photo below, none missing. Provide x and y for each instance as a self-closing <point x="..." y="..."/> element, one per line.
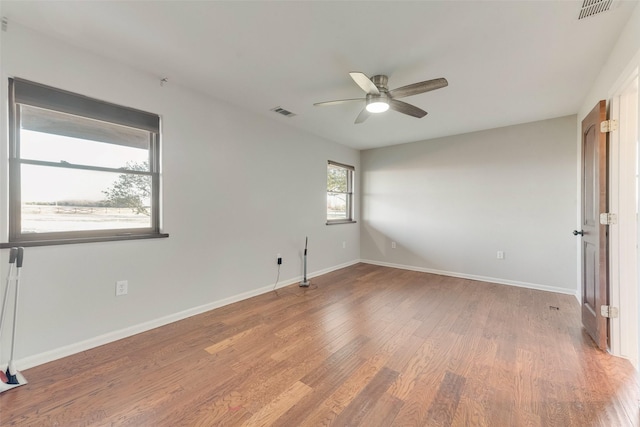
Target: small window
<point x="339" y="193"/>
<point x="80" y="169"/>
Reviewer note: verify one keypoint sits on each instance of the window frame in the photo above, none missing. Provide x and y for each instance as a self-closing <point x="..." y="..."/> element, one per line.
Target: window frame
<point x="45" y="97"/>
<point x="351" y="171"/>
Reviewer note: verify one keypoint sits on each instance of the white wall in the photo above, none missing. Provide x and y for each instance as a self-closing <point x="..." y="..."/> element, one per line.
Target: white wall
<point x="451" y="203"/>
<point x="238" y="189"/>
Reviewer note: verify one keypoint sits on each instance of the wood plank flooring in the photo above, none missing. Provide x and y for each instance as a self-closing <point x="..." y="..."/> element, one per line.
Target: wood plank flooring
<point x="363" y="346"/>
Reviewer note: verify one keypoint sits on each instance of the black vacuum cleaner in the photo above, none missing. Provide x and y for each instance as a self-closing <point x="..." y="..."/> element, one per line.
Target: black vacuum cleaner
<point x="305" y="283"/>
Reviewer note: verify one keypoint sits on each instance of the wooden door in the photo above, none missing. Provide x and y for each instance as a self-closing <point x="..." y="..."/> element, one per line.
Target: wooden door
<point x="594" y="253"/>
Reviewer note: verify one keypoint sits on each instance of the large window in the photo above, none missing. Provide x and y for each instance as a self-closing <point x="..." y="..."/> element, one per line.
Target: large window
<point x="80" y="169"/>
<point x="339" y="193"/>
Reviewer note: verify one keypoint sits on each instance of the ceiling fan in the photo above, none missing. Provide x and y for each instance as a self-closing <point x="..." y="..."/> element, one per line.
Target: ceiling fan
<point x="379" y="98"/>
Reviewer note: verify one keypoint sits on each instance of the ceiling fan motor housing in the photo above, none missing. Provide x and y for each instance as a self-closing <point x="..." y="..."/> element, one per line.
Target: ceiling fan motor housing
<point x="381" y="82"/>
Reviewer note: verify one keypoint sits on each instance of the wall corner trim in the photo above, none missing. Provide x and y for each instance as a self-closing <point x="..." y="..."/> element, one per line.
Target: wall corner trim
<point x="478" y="278"/>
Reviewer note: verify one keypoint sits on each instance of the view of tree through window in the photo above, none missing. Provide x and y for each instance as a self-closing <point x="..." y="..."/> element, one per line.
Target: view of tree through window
<point x="131" y="191"/>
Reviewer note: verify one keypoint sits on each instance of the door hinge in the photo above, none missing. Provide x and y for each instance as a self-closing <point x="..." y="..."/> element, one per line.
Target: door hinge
<point x="608" y="311"/>
<point x="608" y="126"/>
<point x="608" y="218"/>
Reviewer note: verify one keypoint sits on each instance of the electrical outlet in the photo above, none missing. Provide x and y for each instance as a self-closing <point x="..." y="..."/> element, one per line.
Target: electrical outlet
<point x="393" y="245"/>
<point x="344" y="245"/>
<point x="122" y="287"/>
<point x="500" y="255"/>
<point x="279" y="259"/>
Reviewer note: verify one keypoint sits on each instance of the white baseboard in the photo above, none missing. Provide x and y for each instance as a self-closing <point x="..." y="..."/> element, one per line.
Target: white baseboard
<point x="474" y="277"/>
<point x="68" y="350"/>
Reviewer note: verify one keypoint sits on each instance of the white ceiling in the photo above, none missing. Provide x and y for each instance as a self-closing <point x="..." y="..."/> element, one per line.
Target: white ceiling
<point x="507" y="62"/>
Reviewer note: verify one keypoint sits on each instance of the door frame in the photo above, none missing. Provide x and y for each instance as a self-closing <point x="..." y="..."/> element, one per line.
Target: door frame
<point x="624" y="257"/>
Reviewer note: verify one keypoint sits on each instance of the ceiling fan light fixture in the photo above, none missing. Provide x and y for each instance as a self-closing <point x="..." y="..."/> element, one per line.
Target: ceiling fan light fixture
<point x="377" y="106"/>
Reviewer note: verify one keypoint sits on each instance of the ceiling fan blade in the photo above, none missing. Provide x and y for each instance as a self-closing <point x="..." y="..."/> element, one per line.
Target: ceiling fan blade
<point x="364" y="115"/>
<point x="364" y="82"/>
<point x="403" y="107"/>
<point x="416" y="88"/>
<point x="340" y="101"/>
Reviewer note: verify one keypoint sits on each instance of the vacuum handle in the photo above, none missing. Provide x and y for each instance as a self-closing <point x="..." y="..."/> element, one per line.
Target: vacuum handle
<point x="20" y="257"/>
<point x="13" y="254"/>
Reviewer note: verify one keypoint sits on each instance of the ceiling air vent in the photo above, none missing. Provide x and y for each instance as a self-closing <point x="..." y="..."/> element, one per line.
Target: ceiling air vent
<point x="594" y="7"/>
<point x="282" y="111"/>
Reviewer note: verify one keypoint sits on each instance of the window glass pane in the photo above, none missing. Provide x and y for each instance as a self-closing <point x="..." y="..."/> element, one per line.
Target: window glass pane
<point x="337" y="179"/>
<point x="336" y="206"/>
<point x="57" y="137"/>
<point x="339" y="192"/>
<point x="57" y="199"/>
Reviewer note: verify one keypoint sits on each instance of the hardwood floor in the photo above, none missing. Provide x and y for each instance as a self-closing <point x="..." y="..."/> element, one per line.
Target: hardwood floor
<point x="363" y="346"/>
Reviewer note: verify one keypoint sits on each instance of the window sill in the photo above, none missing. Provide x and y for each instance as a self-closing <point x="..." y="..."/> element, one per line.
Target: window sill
<point x="52" y="242"/>
<point x="350" y="221"/>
